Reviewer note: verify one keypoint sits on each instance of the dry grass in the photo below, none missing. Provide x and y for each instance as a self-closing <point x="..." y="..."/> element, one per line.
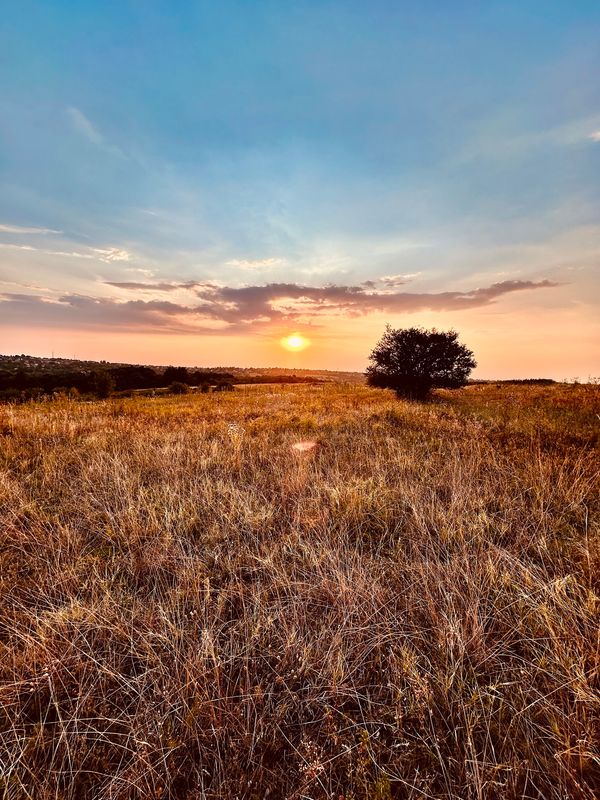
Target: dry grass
<point x="193" y="609"/>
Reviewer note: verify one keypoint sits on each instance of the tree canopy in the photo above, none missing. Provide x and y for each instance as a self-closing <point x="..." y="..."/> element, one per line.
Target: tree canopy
<point x="413" y="361"/>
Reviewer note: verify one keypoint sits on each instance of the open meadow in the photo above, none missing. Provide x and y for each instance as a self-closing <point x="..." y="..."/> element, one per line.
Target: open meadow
<point x="405" y="606"/>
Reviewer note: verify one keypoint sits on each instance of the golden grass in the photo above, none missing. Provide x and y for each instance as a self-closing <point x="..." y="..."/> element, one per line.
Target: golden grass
<point x="191" y="608"/>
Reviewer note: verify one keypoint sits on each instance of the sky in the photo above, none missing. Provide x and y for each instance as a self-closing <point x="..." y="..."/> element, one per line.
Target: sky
<point x="188" y="182"/>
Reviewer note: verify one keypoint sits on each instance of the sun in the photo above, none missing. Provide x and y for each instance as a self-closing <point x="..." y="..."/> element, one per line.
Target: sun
<point x="295" y="342"/>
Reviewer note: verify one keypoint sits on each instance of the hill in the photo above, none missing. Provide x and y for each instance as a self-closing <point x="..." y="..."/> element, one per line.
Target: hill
<point x="24" y="377"/>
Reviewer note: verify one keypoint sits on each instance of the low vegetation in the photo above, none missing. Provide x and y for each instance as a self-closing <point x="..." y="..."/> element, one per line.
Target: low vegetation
<point x="301" y="592"/>
<point x="24" y="378"/>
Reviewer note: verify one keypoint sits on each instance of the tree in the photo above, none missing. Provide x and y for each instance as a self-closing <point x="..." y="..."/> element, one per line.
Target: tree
<point x="103" y="384"/>
<point x="176" y="375"/>
<point x="413" y="361"/>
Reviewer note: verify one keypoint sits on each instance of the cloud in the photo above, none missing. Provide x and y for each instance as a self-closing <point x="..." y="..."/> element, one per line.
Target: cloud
<point x="87" y="129"/>
<point x="260" y="263"/>
<point x="5" y="246"/>
<point x="227" y="309"/>
<point x="148" y="273"/>
<point x="20" y="229"/>
<point x="595" y="136"/>
<point x="392" y="281"/>
<point x="108" y="255"/>
<point x="112" y="254"/>
<point x="290" y="301"/>
<point x="78" y="312"/>
<point x="62" y="253"/>
<point x="33" y="286"/>
<point x="84" y="126"/>
<point x="153" y="287"/>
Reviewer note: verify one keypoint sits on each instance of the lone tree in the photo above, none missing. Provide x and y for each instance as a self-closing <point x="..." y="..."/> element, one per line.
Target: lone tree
<point x="413" y="361"/>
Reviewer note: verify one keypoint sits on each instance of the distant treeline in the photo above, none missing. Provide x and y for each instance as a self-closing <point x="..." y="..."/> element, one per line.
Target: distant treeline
<point x="277" y="379"/>
<point x="119" y="379"/>
<point x="537" y="381"/>
<point x="25" y="384"/>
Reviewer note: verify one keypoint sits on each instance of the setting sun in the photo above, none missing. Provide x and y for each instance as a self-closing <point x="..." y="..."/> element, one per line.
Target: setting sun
<point x="295" y="342"/>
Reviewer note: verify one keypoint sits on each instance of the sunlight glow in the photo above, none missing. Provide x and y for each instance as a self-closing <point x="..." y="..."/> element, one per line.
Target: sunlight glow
<point x="295" y="342"/>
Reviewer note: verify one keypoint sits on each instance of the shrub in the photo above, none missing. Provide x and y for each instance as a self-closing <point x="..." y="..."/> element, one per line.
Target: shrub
<point x="178" y="388"/>
<point x="413" y="361"/>
<point x="103" y="384"/>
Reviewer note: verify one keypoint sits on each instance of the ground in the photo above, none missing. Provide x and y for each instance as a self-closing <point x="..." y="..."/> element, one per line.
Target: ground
<point x="404" y="607"/>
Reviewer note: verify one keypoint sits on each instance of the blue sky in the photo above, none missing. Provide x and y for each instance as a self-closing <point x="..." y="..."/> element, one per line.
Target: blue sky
<point x="410" y="150"/>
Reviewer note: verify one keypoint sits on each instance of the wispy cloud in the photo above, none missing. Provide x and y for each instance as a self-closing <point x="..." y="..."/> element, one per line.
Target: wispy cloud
<point x="238" y="309"/>
<point x="147" y="273"/>
<point x="497" y="143"/>
<point x="28" y="230"/>
<point x="256" y="264"/>
<point x="153" y="287"/>
<point x="87" y="129"/>
<point x="112" y="254"/>
<point x="84" y="126"/>
<point x="107" y="255"/>
<point x="33" y="286"/>
<point x="392" y="281"/>
<point x="63" y="253"/>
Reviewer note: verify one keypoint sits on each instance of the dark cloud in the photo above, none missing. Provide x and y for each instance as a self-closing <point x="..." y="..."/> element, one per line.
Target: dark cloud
<point x="238" y="309"/>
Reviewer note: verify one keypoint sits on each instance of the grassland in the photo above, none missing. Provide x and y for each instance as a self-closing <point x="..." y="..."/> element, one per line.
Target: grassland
<point x="191" y="608"/>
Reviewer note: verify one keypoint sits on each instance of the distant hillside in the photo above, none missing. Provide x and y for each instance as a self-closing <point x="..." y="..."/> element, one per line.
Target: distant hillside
<point x="264" y="374"/>
<point x="30" y="375"/>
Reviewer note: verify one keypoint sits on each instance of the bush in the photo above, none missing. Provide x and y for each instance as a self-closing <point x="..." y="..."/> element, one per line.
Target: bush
<point x="413" y="361"/>
<point x="178" y="388"/>
<point x="103" y="385"/>
<point x="11" y="396"/>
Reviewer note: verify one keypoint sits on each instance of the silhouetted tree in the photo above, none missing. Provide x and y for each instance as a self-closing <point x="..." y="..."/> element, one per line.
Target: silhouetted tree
<point x="413" y="361"/>
<point x="176" y="374"/>
<point x="135" y="377"/>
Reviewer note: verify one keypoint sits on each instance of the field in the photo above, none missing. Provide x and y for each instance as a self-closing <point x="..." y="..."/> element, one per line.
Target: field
<point x="193" y="608"/>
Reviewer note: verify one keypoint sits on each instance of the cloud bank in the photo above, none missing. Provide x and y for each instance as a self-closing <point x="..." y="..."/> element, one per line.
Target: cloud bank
<point x="225" y="309"/>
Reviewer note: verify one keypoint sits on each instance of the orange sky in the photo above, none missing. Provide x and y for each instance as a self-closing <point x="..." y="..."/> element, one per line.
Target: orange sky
<point x="528" y="311"/>
<point x="511" y="339"/>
